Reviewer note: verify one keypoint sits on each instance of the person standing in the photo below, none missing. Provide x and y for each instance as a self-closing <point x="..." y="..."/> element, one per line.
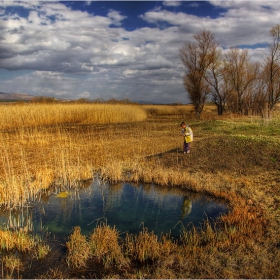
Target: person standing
<point x="187" y="133"/>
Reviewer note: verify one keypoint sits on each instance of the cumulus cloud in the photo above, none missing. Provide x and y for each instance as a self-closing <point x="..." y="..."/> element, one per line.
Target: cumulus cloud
<point x="246" y="22"/>
<point x="235" y="27"/>
<point x="74" y="53"/>
<point x="158" y="62"/>
<point x="172" y="3"/>
<point x="84" y="94"/>
<point x="116" y="17"/>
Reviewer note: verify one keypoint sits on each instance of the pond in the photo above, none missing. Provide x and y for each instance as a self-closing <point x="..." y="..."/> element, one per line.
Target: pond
<point x="128" y="207"/>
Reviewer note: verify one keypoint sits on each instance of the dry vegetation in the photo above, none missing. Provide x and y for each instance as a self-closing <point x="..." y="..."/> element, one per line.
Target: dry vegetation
<point x="40" y="144"/>
<point x="233" y="158"/>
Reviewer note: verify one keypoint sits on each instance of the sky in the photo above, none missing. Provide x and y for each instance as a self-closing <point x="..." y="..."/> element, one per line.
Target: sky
<point x="119" y="49"/>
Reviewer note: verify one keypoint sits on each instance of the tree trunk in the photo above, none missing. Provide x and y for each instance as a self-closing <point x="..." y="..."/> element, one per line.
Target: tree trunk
<point x="220" y="109"/>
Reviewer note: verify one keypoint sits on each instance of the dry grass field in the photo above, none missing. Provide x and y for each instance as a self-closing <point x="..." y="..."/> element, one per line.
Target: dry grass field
<point x="234" y="158"/>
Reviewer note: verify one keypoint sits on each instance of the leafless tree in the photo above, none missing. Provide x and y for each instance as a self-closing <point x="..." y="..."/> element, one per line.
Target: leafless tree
<point x="215" y="79"/>
<point x="271" y="71"/>
<point x="240" y="75"/>
<point x="197" y="56"/>
<point x="259" y="99"/>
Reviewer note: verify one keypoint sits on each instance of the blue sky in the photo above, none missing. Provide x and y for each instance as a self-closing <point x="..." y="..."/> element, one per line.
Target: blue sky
<point x="119" y="49"/>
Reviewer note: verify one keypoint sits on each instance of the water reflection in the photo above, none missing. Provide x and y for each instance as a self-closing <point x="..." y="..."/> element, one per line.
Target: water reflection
<point x="20" y="219"/>
<point x="186" y="208"/>
<point x="127" y="207"/>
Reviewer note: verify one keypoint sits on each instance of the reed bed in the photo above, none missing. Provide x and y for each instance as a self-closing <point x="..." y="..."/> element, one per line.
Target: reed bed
<point x="234" y="159"/>
<point x="39" y="146"/>
<point x="15" y="248"/>
<point x="33" y="115"/>
<point x="219" y="252"/>
<point x="168" y="110"/>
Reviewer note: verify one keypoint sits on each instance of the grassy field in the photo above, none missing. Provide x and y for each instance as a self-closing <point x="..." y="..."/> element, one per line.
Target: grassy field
<point x="234" y="158"/>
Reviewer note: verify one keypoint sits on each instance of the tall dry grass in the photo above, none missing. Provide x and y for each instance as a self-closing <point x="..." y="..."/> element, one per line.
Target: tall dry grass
<point x="168" y="110"/>
<point x="78" y="249"/>
<point x="15" y="248"/>
<point x="32" y="115"/>
<point x="208" y="251"/>
<point x="41" y="144"/>
<point x="33" y="159"/>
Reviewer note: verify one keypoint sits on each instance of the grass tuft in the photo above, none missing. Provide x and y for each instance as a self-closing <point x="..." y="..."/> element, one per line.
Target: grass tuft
<point x="104" y="244"/>
<point x="78" y="251"/>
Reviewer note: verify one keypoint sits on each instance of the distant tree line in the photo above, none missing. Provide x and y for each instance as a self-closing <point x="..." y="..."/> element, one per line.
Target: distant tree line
<point x="51" y="100"/>
<point x="232" y="81"/>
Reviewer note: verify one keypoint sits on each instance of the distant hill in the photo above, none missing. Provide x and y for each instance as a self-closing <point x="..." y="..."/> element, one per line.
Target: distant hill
<point x="15" y="96"/>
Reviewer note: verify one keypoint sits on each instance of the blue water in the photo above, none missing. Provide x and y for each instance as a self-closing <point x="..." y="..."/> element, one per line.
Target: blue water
<point x="128" y="207"/>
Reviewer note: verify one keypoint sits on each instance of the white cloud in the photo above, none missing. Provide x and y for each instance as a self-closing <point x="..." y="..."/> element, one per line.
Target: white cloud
<point x="25" y="4"/>
<point x="77" y="54"/>
<point x="84" y="94"/>
<point x="116" y="17"/>
<point x="38" y="83"/>
<point x="158" y="62"/>
<point x="172" y="3"/>
<point x="236" y="26"/>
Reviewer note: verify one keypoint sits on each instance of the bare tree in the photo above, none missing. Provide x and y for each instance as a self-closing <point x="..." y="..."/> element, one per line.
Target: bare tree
<point x="271" y="71"/>
<point x="259" y="99"/>
<point x="240" y="74"/>
<point x="197" y="57"/>
<point x="215" y="79"/>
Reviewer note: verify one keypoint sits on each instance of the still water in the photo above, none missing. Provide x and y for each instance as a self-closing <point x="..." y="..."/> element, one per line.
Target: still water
<point x="128" y="207"/>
